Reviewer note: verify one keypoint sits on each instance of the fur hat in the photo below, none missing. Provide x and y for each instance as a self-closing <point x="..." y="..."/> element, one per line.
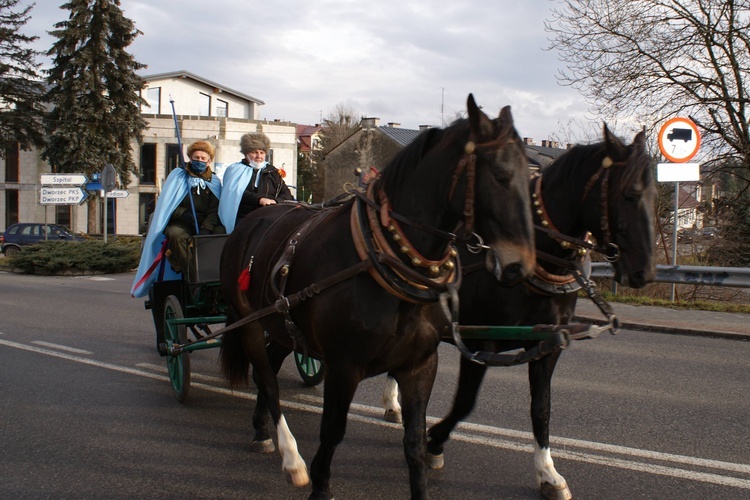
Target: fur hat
<point x="204" y="146"/>
<point x="251" y="142"/>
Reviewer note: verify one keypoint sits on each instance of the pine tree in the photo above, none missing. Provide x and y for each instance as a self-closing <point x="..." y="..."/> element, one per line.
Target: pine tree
<point x="94" y="89"/>
<point x="21" y="88"/>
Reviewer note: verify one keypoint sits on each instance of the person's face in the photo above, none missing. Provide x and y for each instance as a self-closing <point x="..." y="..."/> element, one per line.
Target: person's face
<point x="201" y="156"/>
<point x="257" y="155"/>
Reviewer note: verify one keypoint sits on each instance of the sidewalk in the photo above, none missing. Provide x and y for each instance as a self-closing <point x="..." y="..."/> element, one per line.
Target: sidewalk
<point x="665" y="320"/>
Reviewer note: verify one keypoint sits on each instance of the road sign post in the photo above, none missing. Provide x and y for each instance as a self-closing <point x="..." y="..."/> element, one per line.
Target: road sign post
<point x="679" y="142"/>
<point x="109" y="180"/>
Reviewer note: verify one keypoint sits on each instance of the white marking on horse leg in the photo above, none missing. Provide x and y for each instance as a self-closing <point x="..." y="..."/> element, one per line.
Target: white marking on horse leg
<point x="553" y="485"/>
<point x="390" y="401"/>
<point x="291" y="462"/>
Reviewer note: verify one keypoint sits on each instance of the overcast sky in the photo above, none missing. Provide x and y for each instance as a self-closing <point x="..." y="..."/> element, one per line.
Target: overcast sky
<point x="413" y="62"/>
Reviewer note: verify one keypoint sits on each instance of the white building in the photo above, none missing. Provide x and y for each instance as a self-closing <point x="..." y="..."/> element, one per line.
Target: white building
<point x="204" y="109"/>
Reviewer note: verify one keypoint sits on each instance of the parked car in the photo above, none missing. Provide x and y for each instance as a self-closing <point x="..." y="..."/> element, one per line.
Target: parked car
<point x="708" y="232"/>
<point x="28" y="233"/>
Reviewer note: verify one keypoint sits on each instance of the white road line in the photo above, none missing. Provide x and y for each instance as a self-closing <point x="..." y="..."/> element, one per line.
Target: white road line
<point x="196" y="376"/>
<point x="463" y="436"/>
<point x="61" y="347"/>
<point x="565" y="442"/>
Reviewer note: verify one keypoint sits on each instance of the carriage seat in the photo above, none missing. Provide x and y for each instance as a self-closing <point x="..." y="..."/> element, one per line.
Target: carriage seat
<point x="205" y="258"/>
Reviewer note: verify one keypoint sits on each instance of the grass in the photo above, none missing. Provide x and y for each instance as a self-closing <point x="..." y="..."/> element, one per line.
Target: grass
<point x="700" y="305"/>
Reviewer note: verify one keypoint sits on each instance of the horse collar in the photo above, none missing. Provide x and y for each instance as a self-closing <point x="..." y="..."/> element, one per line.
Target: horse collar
<point x="419" y="285"/>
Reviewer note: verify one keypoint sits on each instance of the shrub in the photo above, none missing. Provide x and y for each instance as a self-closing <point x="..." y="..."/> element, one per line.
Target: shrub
<point x="90" y="256"/>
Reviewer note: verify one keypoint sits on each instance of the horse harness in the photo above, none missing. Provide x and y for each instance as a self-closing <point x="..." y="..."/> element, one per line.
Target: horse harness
<point x="423" y="282"/>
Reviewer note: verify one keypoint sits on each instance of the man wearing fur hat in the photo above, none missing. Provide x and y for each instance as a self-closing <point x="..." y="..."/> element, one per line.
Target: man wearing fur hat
<point x="251" y="183"/>
<point x="188" y="205"/>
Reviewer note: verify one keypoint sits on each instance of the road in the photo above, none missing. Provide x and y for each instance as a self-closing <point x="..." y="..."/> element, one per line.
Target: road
<point x="87" y="412"/>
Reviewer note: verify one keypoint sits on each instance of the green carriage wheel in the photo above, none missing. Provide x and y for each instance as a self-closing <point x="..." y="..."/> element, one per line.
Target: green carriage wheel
<point x="178" y="365"/>
<point x="311" y="370"/>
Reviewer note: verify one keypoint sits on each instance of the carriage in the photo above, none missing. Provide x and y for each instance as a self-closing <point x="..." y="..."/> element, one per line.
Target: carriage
<point x="188" y="311"/>
<point x="386" y="313"/>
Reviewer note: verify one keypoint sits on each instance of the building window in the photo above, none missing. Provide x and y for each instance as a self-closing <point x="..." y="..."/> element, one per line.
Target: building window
<point x="11" y="163"/>
<point x="62" y="215"/>
<point x="173" y="158"/>
<point x="204" y="104"/>
<point x="153" y="98"/>
<point x="146" y="205"/>
<point x="148" y="164"/>
<point x="221" y="108"/>
<point x="269" y="159"/>
<point x="11" y="206"/>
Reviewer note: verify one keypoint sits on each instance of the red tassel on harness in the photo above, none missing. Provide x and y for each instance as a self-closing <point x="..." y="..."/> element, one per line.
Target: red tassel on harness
<point x="244" y="279"/>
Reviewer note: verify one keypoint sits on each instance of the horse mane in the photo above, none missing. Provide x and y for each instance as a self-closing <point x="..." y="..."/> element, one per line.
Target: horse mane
<point x="409" y="158"/>
<point x="586" y="160"/>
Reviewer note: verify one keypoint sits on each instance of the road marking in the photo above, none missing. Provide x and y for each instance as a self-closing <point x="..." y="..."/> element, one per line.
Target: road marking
<point x="163" y="369"/>
<point x="482" y="440"/>
<point x="61" y="347"/>
<point x="95" y="278"/>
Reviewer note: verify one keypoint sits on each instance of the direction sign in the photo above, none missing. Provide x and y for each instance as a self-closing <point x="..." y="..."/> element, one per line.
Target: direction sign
<point x="679" y="139"/>
<point x="62" y="179"/>
<point x="61" y="195"/>
<point x="118" y="193"/>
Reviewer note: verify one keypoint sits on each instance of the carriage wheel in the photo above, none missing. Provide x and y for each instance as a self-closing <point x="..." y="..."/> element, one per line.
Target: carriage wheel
<point x="312" y="372"/>
<point x="179" y="365"/>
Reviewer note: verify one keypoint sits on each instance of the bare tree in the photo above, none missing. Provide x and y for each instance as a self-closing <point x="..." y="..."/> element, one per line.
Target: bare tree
<point x="337" y="126"/>
<point x="649" y="60"/>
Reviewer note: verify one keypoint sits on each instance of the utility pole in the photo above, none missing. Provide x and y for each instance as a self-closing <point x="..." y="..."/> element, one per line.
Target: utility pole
<point x="442" y="106"/>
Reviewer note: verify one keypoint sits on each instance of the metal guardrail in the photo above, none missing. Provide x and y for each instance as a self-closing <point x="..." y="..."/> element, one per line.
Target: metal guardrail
<point x="686" y="275"/>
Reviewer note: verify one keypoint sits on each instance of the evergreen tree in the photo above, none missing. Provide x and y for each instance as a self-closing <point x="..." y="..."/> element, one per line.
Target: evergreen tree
<point x="21" y="88"/>
<point x="95" y="91"/>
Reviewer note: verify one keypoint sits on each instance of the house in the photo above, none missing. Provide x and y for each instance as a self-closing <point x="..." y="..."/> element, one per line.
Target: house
<point x="204" y="110"/>
<point x="373" y="145"/>
<point x="308" y="138"/>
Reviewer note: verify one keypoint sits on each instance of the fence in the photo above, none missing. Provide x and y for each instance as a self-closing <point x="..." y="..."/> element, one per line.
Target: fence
<point x="686" y="275"/>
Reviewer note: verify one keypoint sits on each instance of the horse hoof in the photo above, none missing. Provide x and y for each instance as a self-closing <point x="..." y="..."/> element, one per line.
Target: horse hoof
<point x="265" y="446"/>
<point x="393" y="416"/>
<point x="556" y="492"/>
<point x="434" y="461"/>
<point x="297" y="478"/>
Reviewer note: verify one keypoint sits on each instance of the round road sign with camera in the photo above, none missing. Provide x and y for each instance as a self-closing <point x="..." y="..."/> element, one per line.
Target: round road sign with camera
<point x="679" y="140"/>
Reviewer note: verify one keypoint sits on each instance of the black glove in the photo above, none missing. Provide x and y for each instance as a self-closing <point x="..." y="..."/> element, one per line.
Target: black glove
<point x="205" y="231"/>
<point x="187" y="218"/>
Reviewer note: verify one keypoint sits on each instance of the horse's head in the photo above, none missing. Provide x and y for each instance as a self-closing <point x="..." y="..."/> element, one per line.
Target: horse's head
<point x="631" y="203"/>
<point x="605" y="189"/>
<point x="501" y="208"/>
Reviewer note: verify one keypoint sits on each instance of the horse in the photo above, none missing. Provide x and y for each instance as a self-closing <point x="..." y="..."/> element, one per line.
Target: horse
<point x="357" y="285"/>
<point x="605" y="190"/>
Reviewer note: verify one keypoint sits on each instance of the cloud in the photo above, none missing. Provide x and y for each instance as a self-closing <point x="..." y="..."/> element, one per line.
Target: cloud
<point x="409" y="62"/>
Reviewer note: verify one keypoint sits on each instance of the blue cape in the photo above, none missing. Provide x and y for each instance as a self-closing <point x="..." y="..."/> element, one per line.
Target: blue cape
<point x="174" y="191"/>
<point x="236" y="178"/>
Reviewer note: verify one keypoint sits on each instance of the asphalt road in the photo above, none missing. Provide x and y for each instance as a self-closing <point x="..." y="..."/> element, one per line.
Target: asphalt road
<point x="87" y="412"/>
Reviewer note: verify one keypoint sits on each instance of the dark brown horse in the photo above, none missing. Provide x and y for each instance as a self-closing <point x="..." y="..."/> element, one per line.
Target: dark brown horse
<point x="606" y="189"/>
<point x="357" y="285"/>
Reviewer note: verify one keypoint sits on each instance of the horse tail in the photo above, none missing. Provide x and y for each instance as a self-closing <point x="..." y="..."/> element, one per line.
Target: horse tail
<point x="235" y="363"/>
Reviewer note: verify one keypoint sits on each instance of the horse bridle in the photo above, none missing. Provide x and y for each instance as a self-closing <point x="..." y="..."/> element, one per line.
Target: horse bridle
<point x="609" y="249"/>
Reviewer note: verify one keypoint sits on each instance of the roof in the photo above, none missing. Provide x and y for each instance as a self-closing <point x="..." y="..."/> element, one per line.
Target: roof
<point x="403" y="136"/>
<point x="192" y="76"/>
